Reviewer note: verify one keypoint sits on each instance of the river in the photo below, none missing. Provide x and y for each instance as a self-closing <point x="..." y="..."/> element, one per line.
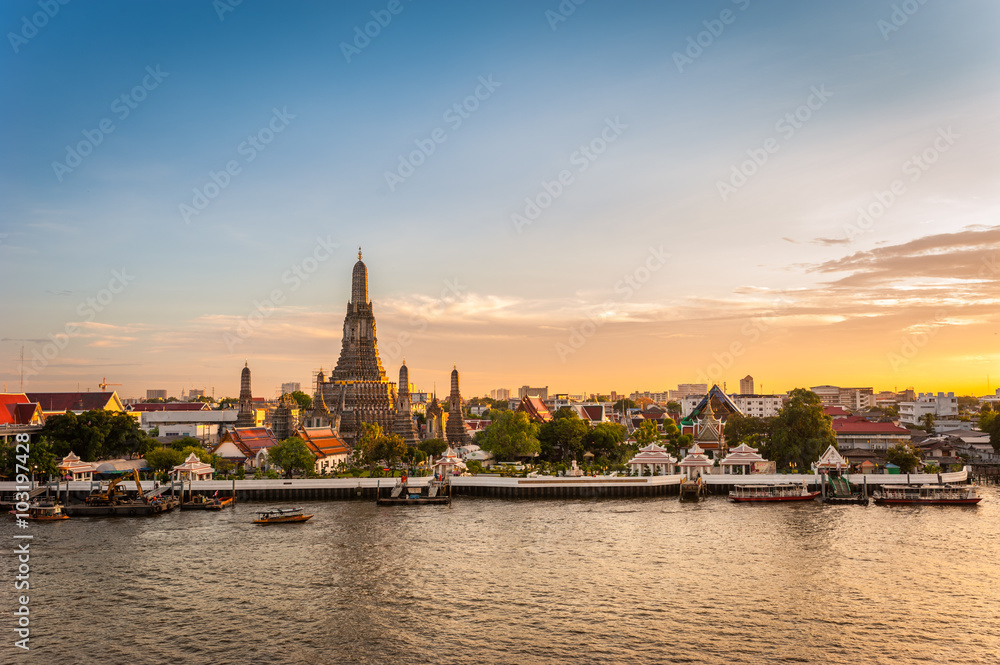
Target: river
<point x="494" y="581"/>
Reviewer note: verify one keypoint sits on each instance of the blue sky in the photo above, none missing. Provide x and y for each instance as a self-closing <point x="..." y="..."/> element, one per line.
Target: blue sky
<point x="546" y="304"/>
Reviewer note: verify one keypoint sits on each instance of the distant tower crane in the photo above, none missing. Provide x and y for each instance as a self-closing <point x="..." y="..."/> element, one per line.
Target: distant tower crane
<point x="104" y="384"/>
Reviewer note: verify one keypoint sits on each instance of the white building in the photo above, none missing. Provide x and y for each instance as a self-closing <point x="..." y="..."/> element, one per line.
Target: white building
<point x="746" y="385"/>
<point x="941" y="405"/>
<point x="687" y="389"/>
<point x="758" y="406"/>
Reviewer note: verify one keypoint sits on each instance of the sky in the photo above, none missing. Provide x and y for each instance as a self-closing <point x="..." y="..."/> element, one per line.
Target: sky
<point x="590" y="197"/>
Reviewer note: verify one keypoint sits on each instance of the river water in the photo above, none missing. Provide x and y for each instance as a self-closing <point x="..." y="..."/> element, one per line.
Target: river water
<point x="495" y="581"/>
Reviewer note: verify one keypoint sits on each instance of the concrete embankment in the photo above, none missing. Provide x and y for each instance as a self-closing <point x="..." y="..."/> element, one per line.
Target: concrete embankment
<point x="497" y="487"/>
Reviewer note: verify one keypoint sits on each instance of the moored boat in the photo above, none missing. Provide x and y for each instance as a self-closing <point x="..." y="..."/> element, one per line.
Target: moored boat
<point x="281" y="516"/>
<point x="44" y="511"/>
<point x="766" y="493"/>
<point x="405" y="493"/>
<point x="202" y="502"/>
<point x="928" y="495"/>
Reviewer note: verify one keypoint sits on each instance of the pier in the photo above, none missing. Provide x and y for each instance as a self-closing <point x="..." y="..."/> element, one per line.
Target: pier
<point x="543" y="487"/>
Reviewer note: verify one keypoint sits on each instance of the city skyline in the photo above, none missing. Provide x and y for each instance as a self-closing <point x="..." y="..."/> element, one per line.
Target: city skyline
<point x="618" y="197"/>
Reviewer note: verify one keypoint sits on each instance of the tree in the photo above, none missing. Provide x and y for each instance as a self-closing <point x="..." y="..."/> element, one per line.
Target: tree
<point x="364" y="445"/>
<point x="185" y="442"/>
<point x="624" y="404"/>
<point x="647" y="433"/>
<point x="605" y="439"/>
<point x="164" y="459"/>
<point x="563" y="437"/>
<point x="304" y="401"/>
<point x="986" y="408"/>
<point x="643" y="402"/>
<point x="746" y="429"/>
<point x="390" y="448"/>
<point x="228" y="402"/>
<point x="205" y="399"/>
<point x="291" y="454"/>
<point x="800" y="432"/>
<point x="928" y="420"/>
<point x="433" y="446"/>
<point x="674" y="406"/>
<point x="95" y="435"/>
<point x="510" y="436"/>
<point x="40" y="460"/>
<point x="989" y="422"/>
<point x="904" y="456"/>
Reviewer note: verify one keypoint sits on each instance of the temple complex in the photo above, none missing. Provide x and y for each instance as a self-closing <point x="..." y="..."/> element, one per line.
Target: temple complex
<point x="358" y="390"/>
<point x="435" y="420"/>
<point x="247" y="416"/>
<point x="455" y="430"/>
<point x="404" y="426"/>
<point x="286" y="417"/>
<point x="319" y="415"/>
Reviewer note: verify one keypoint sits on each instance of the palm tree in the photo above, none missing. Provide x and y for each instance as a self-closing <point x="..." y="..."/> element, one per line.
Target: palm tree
<point x="928" y="420"/>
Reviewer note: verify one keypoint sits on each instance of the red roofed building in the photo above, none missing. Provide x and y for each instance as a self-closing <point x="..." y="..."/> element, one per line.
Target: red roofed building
<point x="856" y="432"/>
<point x="245" y="446"/>
<point x="593" y="413"/>
<point x="326" y="445"/>
<point x="16" y="409"/>
<point x="56" y="403"/>
<point x="836" y="412"/>
<point x="535" y="408"/>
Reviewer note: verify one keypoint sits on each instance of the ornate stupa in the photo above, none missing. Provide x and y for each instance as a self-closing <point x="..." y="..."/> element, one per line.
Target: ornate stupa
<point x="319" y="415"/>
<point x="405" y="427"/>
<point x="358" y="390"/>
<point x="455" y="430"/>
<point x="435" y="420"/>
<point x="246" y="416"/>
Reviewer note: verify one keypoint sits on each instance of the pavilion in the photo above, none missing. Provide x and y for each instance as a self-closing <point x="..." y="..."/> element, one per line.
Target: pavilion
<point x="831" y="460"/>
<point x="656" y="458"/>
<point x="695" y="463"/>
<point x="449" y="464"/>
<point x="742" y="460"/>
<point x="192" y="469"/>
<point x="72" y="466"/>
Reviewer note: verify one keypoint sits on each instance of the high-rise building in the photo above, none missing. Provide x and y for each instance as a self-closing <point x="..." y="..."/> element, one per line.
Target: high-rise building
<point x="500" y="393"/>
<point x="195" y="393"/>
<point x="290" y="387"/>
<point x="358" y="390"/>
<point x="528" y="391"/>
<point x="686" y="389"/>
<point x="746" y="385"/>
<point x="156" y="394"/>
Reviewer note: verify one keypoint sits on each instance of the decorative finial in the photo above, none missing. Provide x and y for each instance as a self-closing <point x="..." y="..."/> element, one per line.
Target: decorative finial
<point x="359" y="252"/>
<point x="245" y="363"/>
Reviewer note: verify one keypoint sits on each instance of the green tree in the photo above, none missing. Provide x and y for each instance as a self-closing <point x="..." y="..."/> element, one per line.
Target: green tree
<point x="291" y="454"/>
<point x="989" y="422"/>
<point x="364" y="445"/>
<point x="928" y="420"/>
<point x="164" y="459"/>
<point x="41" y="461"/>
<point x="647" y="433"/>
<point x="624" y="404"/>
<point x="390" y="448"/>
<point x="185" y="442"/>
<point x="304" y="401"/>
<point x="904" y="456"/>
<point x="800" y="432"/>
<point x="510" y="436"/>
<point x="605" y="439"/>
<point x="95" y="435"/>
<point x="674" y="407"/>
<point x="746" y="429"/>
<point x="228" y="402"/>
<point x="563" y="437"/>
<point x="433" y="446"/>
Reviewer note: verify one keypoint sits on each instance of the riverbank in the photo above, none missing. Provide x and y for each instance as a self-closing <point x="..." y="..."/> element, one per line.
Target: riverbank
<point x="543" y="487"/>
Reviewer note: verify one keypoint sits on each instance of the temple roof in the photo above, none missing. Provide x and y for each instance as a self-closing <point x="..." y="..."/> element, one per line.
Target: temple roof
<point x="741" y="455"/>
<point x="62" y="402"/>
<point x="535" y="408"/>
<point x="696" y="457"/>
<point x="146" y="407"/>
<point x="831" y="458"/>
<point x="323" y="441"/>
<point x="722" y="405"/>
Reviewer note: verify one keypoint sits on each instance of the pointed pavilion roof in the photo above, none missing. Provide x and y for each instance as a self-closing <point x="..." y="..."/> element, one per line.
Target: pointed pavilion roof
<point x="726" y="406"/>
<point x="742" y="455"/>
<point x="696" y="457"/>
<point x="831" y="459"/>
<point x="653" y="454"/>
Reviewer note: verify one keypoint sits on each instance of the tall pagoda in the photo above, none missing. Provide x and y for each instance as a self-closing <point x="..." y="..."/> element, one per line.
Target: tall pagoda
<point x="405" y="427"/>
<point x="455" y="429"/>
<point x="246" y="417"/>
<point x="358" y="390"/>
